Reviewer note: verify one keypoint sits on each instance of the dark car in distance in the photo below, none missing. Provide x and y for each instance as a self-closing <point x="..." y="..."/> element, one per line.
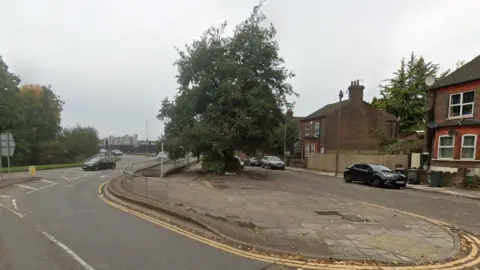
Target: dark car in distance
<point x="375" y="175"/>
<point x="99" y="163"/>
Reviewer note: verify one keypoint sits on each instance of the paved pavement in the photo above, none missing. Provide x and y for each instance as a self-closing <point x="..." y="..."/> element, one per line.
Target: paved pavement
<point x="276" y="210"/>
<point x="60" y="223"/>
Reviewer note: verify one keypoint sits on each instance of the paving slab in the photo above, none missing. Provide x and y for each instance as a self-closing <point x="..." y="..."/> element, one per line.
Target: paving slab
<point x="326" y="226"/>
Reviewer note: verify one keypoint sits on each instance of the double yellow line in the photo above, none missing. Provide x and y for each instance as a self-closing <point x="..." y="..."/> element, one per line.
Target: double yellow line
<point x="468" y="261"/>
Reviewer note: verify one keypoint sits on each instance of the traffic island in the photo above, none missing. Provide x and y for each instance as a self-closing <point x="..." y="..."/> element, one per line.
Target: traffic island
<point x="16" y="180"/>
<point x="249" y="213"/>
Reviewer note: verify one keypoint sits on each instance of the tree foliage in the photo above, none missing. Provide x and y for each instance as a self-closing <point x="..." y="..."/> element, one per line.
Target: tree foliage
<point x="404" y="95"/>
<point x="231" y="93"/>
<point x="275" y="141"/>
<point x="32" y="113"/>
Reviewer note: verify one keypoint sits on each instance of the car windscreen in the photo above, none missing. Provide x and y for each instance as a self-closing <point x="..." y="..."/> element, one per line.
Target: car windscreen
<point x="274" y="158"/>
<point x="379" y="168"/>
<point x="93" y="160"/>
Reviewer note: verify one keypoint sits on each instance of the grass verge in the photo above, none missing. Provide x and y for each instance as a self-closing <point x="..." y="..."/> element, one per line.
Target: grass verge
<point x="48" y="166"/>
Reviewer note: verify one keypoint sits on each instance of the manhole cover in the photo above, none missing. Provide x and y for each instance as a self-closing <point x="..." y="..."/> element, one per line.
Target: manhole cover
<point x="328" y="213"/>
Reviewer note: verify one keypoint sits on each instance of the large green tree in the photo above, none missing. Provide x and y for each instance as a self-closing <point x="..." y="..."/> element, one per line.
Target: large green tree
<point x="404" y="95"/>
<point x="286" y="132"/>
<point x="231" y="93"/>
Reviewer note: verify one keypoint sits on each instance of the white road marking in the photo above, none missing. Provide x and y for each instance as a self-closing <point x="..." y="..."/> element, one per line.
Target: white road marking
<point x="13" y="211"/>
<point x="103" y="176"/>
<point x="68" y="251"/>
<point x="42" y="188"/>
<point x="77" y="177"/>
<point x="65" y="178"/>
<point x="4" y="196"/>
<point x="14" y="202"/>
<point x="46" y="181"/>
<point x="27" y="187"/>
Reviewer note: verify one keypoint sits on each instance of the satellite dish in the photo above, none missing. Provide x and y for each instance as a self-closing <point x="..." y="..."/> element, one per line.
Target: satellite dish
<point x="429" y="81"/>
<point x="431" y="125"/>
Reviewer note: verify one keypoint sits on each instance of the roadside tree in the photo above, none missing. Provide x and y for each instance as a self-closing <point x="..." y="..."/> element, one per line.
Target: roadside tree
<point x="231" y="93"/>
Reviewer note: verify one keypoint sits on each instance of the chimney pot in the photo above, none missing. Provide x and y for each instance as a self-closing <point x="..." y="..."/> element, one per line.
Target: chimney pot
<point x="358" y="82"/>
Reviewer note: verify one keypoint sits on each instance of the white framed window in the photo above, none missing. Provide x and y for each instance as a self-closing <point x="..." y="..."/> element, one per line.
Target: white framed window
<point x="469" y="144"/>
<point x="312" y="148"/>
<point x="317" y="128"/>
<point x="307" y="148"/>
<point x="307" y="130"/>
<point x="461" y="104"/>
<point x="446" y="144"/>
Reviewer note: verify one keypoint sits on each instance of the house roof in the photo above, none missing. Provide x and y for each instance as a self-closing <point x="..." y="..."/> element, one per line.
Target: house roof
<point x="330" y="108"/>
<point x="325" y="110"/>
<point x="467" y="73"/>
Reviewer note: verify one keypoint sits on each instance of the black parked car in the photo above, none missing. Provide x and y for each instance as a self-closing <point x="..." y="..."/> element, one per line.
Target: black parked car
<point x="375" y="175"/>
<point x="99" y="163"/>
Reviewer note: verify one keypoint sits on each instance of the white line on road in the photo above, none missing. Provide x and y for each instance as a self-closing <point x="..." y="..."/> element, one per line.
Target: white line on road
<point x="65" y="178"/>
<point x="46" y="181"/>
<point x="11" y="210"/>
<point x="42" y="188"/>
<point x="103" y="176"/>
<point x="68" y="251"/>
<point x="77" y="177"/>
<point x="4" y="196"/>
<point x="14" y="202"/>
<point x="27" y="187"/>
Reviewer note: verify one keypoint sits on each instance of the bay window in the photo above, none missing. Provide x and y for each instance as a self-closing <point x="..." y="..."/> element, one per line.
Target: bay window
<point x="469" y="142"/>
<point x="445" y="146"/>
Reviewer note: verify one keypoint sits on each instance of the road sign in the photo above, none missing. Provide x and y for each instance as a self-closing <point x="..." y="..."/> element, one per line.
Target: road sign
<point x="162" y="155"/>
<point x="7" y="144"/>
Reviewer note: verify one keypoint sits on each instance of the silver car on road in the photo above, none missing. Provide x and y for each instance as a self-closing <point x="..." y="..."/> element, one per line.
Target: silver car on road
<point x="272" y="162"/>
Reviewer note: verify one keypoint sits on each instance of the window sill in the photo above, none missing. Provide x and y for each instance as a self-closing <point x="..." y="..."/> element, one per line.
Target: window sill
<point x="459" y="117"/>
<point x="452" y="159"/>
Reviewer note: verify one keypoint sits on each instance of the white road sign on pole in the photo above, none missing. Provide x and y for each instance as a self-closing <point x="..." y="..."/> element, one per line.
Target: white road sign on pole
<point x="7" y="147"/>
<point x="7" y="144"/>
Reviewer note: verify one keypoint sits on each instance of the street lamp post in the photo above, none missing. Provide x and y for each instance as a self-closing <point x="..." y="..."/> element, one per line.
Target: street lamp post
<point x="337" y="155"/>
<point x="289" y="107"/>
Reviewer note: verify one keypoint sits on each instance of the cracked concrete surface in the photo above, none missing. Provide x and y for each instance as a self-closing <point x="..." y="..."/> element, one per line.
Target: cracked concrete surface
<point x="324" y="225"/>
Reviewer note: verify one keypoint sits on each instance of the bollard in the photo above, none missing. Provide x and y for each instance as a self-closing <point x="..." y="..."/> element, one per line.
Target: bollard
<point x="32" y="171"/>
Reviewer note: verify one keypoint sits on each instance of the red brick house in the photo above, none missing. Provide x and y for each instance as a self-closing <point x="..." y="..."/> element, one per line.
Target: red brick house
<point x="456" y="119"/>
<point x="359" y="125"/>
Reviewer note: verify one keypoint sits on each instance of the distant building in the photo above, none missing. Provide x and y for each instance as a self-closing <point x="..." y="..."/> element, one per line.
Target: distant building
<point x="128" y="144"/>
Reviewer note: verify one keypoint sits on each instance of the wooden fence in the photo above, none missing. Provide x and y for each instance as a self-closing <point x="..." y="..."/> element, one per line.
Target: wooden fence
<point x="326" y="162"/>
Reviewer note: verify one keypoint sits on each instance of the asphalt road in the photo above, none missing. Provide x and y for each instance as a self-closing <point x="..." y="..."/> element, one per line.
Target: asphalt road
<point x="60" y="223"/>
<point x="460" y="212"/>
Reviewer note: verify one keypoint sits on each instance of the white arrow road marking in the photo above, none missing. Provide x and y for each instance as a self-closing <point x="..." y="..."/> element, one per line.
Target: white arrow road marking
<point x="78" y="177"/>
<point x="27" y="187"/>
<point x="14" y="202"/>
<point x="46" y="181"/>
<point x="13" y="211"/>
<point x="68" y="251"/>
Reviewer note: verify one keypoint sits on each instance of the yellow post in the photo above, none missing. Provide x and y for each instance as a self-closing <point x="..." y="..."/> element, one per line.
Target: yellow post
<point x="32" y="170"/>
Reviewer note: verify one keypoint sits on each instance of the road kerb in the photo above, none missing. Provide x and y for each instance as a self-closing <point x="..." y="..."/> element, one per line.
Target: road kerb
<point x="469" y="260"/>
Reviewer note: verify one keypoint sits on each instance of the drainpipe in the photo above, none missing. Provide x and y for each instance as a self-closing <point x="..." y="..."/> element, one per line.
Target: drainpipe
<point x="430" y="139"/>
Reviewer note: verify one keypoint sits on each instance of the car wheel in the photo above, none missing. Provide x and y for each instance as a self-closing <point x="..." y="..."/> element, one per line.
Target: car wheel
<point x="348" y="178"/>
<point x="95" y="168"/>
<point x="376" y="182"/>
<point x="113" y="166"/>
<point x="262" y="165"/>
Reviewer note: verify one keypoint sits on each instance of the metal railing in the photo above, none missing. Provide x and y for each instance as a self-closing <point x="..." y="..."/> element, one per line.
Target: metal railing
<point x="134" y="178"/>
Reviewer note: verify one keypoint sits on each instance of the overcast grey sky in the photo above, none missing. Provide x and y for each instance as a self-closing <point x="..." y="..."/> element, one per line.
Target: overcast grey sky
<point x="111" y="60"/>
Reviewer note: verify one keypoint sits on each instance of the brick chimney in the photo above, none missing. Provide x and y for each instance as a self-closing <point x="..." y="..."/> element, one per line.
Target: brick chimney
<point x="290" y="113"/>
<point x="355" y="91"/>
